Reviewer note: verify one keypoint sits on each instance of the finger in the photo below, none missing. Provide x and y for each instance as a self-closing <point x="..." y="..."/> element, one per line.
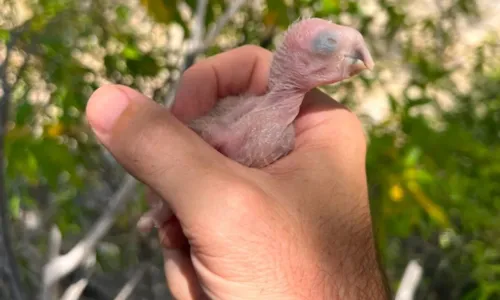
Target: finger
<point x="244" y="69"/>
<point x="327" y="136"/>
<point x="180" y="274"/>
<point x="169" y="231"/>
<point x="152" y="197"/>
<point x="316" y="108"/>
<point x="156" y="148"/>
<point x="328" y="123"/>
<point x="158" y="214"/>
<point x="171" y="236"/>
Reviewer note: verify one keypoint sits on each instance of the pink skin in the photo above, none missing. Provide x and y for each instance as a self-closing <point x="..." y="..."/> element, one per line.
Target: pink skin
<point x="258" y="130"/>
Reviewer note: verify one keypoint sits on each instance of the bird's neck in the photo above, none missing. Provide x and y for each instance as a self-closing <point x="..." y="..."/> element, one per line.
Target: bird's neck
<point x="285" y="101"/>
<point x="284" y="92"/>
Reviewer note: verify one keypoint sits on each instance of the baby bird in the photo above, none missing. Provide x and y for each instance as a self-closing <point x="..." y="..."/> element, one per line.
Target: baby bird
<point x="258" y="130"/>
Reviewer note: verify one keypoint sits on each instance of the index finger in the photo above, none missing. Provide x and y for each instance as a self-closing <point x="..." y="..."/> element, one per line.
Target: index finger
<point x="244" y="69"/>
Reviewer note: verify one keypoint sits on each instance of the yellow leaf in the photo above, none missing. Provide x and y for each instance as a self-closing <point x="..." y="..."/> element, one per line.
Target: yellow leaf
<point x="55" y="130"/>
<point x="270" y="18"/>
<point x="17" y="132"/>
<point x="396" y="193"/>
<point x="426" y="203"/>
<point x="159" y="10"/>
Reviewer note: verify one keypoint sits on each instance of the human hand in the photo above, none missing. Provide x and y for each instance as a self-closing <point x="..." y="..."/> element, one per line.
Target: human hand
<point x="299" y="228"/>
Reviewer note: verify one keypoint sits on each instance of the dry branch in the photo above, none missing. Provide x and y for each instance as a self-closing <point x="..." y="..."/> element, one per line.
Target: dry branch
<point x="62" y="265"/>
<point x="197" y="44"/>
<point x="410" y="281"/>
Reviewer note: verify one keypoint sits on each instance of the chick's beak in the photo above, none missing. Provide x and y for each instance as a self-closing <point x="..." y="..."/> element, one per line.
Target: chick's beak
<point x="364" y="55"/>
<point x="360" y="59"/>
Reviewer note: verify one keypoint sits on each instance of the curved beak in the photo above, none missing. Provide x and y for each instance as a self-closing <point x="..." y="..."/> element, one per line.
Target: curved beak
<point x="364" y="55"/>
<point x="354" y="61"/>
<point x="360" y="59"/>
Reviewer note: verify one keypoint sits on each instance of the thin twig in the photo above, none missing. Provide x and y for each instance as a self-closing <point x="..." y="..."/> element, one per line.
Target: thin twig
<point x="199" y="23"/>
<point x="410" y="281"/>
<point x="75" y="290"/>
<point x="61" y="266"/>
<point x="197" y="44"/>
<point x="55" y="242"/>
<point x="129" y="287"/>
<point x="212" y="34"/>
<point x="197" y="33"/>
<point x="193" y="43"/>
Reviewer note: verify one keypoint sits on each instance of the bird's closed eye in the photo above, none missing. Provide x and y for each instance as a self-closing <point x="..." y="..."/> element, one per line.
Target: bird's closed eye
<point x="325" y="43"/>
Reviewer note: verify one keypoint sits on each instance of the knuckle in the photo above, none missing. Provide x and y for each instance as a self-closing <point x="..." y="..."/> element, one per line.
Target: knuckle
<point x="254" y="49"/>
<point x="240" y="197"/>
<point x="238" y="203"/>
<point x="190" y="70"/>
<point x="357" y="127"/>
<point x="352" y="128"/>
<point x="254" y="52"/>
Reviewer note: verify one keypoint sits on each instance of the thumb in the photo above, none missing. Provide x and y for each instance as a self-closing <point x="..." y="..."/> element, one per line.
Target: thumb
<point x="155" y="147"/>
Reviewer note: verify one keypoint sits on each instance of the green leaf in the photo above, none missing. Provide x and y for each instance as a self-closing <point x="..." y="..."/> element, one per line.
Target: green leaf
<point x="122" y="12"/>
<point x="21" y="159"/>
<point x="192" y="4"/>
<point x="418" y="102"/>
<point x="144" y="66"/>
<point x="393" y="103"/>
<point x="24" y="113"/>
<point x="4" y="35"/>
<point x="330" y="7"/>
<point x="54" y="158"/>
<point x="423" y="176"/>
<point x="15" y="206"/>
<point x="412" y="157"/>
<point x="353" y="8"/>
<point x="277" y="13"/>
<point x="131" y="52"/>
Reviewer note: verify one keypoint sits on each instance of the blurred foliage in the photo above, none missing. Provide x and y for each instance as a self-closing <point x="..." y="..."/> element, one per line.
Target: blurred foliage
<point x="433" y="170"/>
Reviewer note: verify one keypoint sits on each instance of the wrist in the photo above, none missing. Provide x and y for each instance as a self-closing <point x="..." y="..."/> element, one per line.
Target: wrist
<point x="346" y="267"/>
<point x="345" y="276"/>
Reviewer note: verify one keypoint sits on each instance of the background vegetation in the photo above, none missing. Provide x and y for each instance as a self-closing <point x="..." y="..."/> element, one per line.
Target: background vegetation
<point x="434" y="141"/>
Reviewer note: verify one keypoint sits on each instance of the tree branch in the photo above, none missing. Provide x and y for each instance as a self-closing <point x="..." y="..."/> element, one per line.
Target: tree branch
<point x="197" y="44"/>
<point x="129" y="287"/>
<point x="75" y="290"/>
<point x="212" y="34"/>
<point x="198" y="31"/>
<point x="55" y="242"/>
<point x="192" y="44"/>
<point x="61" y="266"/>
<point x="410" y="281"/>
<point x="199" y="20"/>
